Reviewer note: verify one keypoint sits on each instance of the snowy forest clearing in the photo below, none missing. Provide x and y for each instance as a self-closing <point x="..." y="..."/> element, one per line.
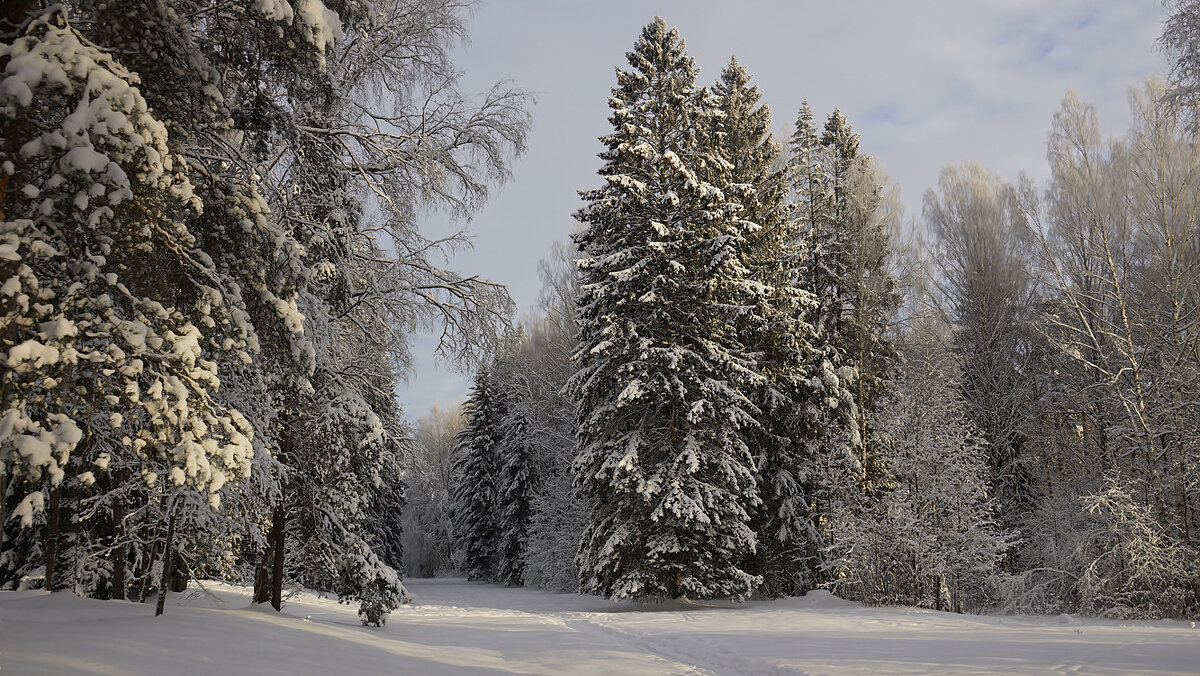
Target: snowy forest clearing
<point x="457" y="627"/>
<point x="748" y="376"/>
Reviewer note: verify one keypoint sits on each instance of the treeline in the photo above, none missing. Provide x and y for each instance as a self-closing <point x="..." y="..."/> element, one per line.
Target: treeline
<point x="209" y="266"/>
<point x="515" y="514"/>
<point x="765" y="389"/>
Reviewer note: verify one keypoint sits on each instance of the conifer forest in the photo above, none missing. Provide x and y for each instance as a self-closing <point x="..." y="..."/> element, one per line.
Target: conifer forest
<point x="751" y="382"/>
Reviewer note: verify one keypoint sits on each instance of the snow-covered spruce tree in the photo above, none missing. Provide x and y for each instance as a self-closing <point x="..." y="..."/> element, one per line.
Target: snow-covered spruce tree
<point x="929" y="538"/>
<point x="245" y="228"/>
<point x="842" y="144"/>
<point x="815" y="170"/>
<point x="387" y="500"/>
<point x="186" y="77"/>
<point x="661" y="450"/>
<point x="796" y="398"/>
<point x="846" y="217"/>
<point x="330" y="129"/>
<point x="810" y="182"/>
<point x="516" y="472"/>
<point x="863" y="217"/>
<point x="826" y="430"/>
<point x="247" y="232"/>
<point x="351" y="449"/>
<point x="113" y="314"/>
<point x="476" y="468"/>
<point x="526" y="436"/>
<point x="538" y="514"/>
<point x="353" y="444"/>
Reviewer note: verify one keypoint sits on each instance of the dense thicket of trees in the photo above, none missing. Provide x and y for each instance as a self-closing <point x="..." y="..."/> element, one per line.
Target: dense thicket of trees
<point x="425" y="535"/>
<point x="212" y="263"/>
<point x="531" y="534"/>
<point x="715" y="409"/>
<point x="1000" y="413"/>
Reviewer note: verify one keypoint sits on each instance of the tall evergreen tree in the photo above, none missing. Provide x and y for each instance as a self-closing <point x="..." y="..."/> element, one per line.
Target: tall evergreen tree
<point x="847" y="216"/>
<point x="475" y="477"/>
<point x="809" y="180"/>
<point x="826" y="433"/>
<point x="797" y="397"/>
<point x="842" y="143"/>
<point x="660" y="410"/>
<point x="516" y="472"/>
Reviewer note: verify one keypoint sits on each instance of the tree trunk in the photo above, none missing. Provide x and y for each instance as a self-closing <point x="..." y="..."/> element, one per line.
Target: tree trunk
<point x="277" y="532"/>
<point x="676" y="585"/>
<point x="943" y="594"/>
<point x="168" y="562"/>
<point x="268" y="582"/>
<point x="3" y="490"/>
<point x="52" y="538"/>
<point x="180" y="573"/>
<point x="144" y="593"/>
<point x="268" y="574"/>
<point x="262" y="573"/>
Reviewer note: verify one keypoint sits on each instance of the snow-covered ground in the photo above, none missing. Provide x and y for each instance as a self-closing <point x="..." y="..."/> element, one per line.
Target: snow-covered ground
<point x="456" y="627"/>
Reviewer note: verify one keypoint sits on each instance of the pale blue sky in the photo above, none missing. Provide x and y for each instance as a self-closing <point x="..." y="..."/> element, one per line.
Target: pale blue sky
<point x="926" y="82"/>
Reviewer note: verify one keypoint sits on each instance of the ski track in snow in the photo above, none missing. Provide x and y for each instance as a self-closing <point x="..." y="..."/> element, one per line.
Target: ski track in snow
<point x="458" y="627"/>
<point x="724" y="663"/>
<point x="673" y="661"/>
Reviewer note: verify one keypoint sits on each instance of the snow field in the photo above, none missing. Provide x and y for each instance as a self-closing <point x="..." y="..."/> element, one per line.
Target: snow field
<point x="456" y="627"/>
